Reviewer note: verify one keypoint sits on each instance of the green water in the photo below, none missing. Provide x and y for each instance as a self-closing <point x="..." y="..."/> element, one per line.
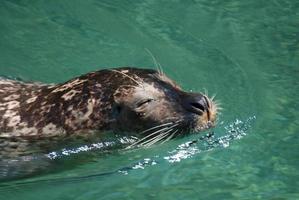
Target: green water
<point x="246" y="52"/>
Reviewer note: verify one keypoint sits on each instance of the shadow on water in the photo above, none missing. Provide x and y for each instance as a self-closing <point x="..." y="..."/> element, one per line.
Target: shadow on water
<point x="220" y="137"/>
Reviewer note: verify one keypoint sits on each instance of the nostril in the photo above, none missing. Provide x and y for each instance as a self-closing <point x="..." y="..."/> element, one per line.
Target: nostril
<point x="199" y="106"/>
<point x="196" y="103"/>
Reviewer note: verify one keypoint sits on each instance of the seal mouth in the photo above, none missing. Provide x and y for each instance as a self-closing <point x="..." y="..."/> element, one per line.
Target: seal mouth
<point x="208" y="118"/>
<point x="209" y="106"/>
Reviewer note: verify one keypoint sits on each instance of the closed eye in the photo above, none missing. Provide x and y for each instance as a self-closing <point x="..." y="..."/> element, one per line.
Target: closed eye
<point x="144" y="102"/>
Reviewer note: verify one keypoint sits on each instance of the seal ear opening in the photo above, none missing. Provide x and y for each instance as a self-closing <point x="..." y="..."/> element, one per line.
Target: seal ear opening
<point x="116" y="110"/>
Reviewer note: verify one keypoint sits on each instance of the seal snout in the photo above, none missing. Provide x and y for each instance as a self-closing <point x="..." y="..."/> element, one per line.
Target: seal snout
<point x="196" y="103"/>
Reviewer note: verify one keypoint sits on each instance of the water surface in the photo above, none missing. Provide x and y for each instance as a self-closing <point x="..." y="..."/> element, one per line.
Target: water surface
<point x="246" y="52"/>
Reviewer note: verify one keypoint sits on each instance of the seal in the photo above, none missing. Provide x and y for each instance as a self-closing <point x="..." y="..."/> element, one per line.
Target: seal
<point x="142" y="102"/>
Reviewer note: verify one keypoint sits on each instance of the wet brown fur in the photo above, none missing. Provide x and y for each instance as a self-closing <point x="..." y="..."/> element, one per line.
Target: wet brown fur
<point x="36" y="114"/>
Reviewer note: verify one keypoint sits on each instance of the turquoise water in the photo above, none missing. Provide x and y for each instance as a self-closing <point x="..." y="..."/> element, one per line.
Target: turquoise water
<point x="246" y="52"/>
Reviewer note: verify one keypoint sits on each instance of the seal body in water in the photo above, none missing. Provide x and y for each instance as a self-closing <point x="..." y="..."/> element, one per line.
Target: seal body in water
<point x="143" y="102"/>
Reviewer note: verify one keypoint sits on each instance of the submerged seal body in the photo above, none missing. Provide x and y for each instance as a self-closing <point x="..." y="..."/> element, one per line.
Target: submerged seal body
<point x="131" y="100"/>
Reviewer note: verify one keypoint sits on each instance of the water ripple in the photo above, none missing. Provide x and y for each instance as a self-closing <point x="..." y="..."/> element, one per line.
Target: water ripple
<point x="233" y="131"/>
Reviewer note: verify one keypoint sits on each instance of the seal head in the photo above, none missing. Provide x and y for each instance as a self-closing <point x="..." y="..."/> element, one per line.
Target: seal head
<point x="151" y="99"/>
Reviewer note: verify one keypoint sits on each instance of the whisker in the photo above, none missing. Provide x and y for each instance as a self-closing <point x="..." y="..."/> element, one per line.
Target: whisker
<point x="157" y="138"/>
<point x="157" y="65"/>
<point x="169" y="137"/>
<point x="138" y="83"/>
<point x="161" y="136"/>
<point x="154" y="133"/>
<point x="155" y="127"/>
<point x="219" y="108"/>
<point x="160" y="66"/>
<point x="129" y="86"/>
<point x="206" y="93"/>
<point x="166" y="128"/>
<point x="150" y="135"/>
<point x="217" y="102"/>
<point x="144" y="138"/>
<point x="213" y="97"/>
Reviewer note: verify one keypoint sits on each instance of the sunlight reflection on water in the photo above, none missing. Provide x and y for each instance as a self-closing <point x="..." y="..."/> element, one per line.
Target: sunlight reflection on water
<point x="234" y="131"/>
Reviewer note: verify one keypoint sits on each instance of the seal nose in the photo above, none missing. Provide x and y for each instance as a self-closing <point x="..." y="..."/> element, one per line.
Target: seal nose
<point x="197" y="104"/>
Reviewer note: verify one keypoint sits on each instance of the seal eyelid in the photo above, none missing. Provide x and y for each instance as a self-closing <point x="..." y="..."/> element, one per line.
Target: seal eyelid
<point x="144" y="102"/>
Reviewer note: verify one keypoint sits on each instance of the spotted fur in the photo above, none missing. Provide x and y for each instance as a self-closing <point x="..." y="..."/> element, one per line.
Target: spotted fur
<point x="37" y="116"/>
